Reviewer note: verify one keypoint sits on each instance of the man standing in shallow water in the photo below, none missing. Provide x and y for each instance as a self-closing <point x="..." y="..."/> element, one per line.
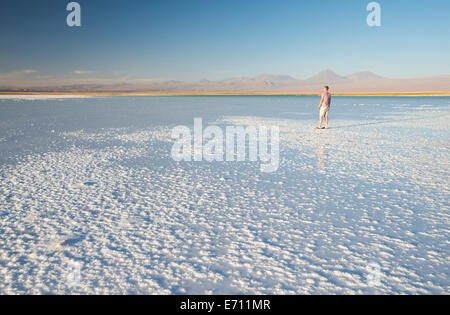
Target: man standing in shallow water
<point x="324" y="107"/>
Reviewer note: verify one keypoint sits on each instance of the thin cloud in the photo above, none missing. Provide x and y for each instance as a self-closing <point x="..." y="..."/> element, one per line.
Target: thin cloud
<point x="29" y="71"/>
<point x="80" y="72"/>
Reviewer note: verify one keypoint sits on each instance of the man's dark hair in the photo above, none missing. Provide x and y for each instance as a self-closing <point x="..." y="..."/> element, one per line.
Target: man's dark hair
<point x="327" y="87"/>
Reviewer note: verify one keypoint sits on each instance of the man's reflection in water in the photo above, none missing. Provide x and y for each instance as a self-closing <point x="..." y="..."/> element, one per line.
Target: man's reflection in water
<point x="322" y="158"/>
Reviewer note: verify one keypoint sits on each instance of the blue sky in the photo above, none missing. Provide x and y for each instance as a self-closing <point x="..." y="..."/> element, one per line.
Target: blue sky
<point x="216" y="39"/>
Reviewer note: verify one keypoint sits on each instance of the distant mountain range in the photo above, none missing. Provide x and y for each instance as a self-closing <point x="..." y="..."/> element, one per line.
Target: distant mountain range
<point x="265" y="83"/>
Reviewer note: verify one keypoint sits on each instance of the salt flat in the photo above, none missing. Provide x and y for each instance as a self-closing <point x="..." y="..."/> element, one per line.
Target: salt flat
<point x="91" y="182"/>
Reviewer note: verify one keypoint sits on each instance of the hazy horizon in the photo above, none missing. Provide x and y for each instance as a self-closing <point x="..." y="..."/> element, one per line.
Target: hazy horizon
<point x="363" y="81"/>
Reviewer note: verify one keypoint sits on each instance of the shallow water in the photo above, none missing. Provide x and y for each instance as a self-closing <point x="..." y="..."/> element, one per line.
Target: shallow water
<point x="91" y="183"/>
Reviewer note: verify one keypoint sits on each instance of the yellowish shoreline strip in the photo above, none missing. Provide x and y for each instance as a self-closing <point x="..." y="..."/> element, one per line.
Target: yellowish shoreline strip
<point x="226" y="94"/>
